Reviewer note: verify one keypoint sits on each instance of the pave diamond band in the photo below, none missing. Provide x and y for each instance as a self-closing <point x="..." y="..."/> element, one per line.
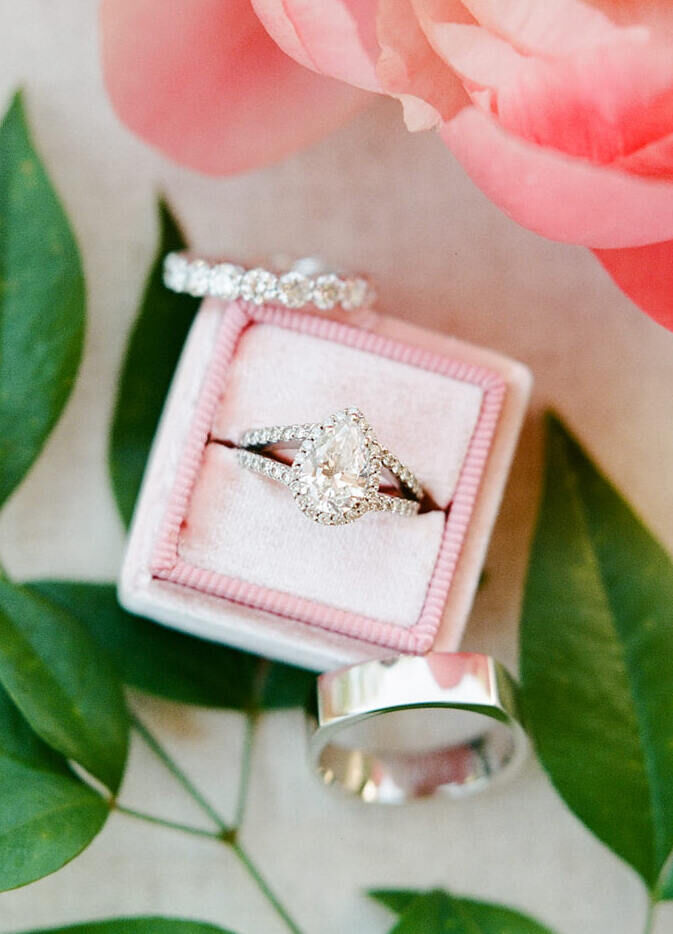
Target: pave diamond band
<point x="260" y="437"/>
<point x="296" y="288"/>
<point x="336" y="473"/>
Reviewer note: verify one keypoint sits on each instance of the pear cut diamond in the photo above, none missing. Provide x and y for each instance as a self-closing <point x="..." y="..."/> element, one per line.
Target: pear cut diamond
<point x="336" y="475"/>
<point x="334" y="471"/>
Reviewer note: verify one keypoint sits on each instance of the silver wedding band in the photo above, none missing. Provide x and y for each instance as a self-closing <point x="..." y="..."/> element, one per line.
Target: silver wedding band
<point x="392" y="730"/>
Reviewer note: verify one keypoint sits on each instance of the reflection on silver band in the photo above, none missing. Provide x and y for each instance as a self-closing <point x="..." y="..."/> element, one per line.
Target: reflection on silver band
<point x="401" y="728"/>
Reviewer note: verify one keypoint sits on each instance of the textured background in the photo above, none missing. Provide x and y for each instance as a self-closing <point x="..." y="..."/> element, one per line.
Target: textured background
<point x="376" y="198"/>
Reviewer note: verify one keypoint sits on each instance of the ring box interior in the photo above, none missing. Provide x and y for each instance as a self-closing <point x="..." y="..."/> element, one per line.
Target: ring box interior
<point x="224" y="553"/>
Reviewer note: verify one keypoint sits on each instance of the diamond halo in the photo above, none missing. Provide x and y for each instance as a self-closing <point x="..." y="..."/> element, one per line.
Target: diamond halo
<point x="336" y="473"/>
<point x="337" y="470"/>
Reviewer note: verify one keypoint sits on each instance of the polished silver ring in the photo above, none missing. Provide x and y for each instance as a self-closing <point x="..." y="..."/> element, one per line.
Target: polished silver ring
<point x="303" y="284"/>
<point x="337" y="473"/>
<point x="406" y="727"/>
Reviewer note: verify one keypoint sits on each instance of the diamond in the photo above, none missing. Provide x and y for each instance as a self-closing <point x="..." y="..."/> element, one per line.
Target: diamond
<point x="176" y="269"/>
<point x="327" y="291"/>
<point x="355" y="294"/>
<point x="198" y="277"/>
<point x="294" y="290"/>
<point x="225" y="280"/>
<point x="334" y="471"/>
<point x="259" y="286"/>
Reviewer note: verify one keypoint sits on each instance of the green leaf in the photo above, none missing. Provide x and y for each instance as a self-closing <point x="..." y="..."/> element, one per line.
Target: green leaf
<point x="398" y="900"/>
<point x="48" y="815"/>
<point x="62" y="683"/>
<point x="136" y="926"/>
<point x="597" y="661"/>
<point x="152" y="353"/>
<point x="41" y="303"/>
<point x="280" y="686"/>
<point x="666" y="886"/>
<point x="439" y="912"/>
<point x="170" y="664"/>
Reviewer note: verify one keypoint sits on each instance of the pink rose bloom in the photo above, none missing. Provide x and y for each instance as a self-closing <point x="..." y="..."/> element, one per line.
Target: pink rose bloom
<point x="560" y="110"/>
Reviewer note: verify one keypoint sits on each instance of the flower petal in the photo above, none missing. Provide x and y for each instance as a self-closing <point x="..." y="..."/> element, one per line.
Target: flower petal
<point x="553" y="27"/>
<point x="657" y="15"/>
<point x="410" y="69"/>
<point x="559" y="196"/>
<point x="481" y="58"/>
<point x="203" y="81"/>
<point x="334" y="37"/>
<point x="646" y="275"/>
<point x="602" y="104"/>
<point x="655" y="159"/>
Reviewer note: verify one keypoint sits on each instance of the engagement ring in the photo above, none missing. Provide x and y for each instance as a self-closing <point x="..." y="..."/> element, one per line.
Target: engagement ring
<point x="337" y="473"/>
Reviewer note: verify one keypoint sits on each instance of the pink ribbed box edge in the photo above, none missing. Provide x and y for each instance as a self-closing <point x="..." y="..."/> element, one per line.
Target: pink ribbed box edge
<point x="169" y="566"/>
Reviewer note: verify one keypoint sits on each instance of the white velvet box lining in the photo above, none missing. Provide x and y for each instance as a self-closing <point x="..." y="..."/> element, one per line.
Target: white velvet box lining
<point x="246" y="526"/>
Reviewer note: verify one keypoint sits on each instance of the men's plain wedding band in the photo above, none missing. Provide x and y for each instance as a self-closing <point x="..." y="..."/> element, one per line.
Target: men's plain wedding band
<point x="460" y="711"/>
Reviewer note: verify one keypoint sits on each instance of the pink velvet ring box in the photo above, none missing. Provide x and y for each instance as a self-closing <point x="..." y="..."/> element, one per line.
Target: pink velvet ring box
<point x="224" y="553"/>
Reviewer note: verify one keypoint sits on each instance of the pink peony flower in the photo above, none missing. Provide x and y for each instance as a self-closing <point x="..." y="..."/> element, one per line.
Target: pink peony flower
<point x="561" y="111"/>
<point x="203" y="81"/>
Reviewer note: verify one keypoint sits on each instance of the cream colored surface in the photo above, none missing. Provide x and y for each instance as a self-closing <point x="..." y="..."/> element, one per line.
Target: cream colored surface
<point x="370" y="197"/>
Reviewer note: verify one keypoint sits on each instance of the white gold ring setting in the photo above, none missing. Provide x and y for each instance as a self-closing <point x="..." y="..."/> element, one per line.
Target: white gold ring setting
<point x="304" y="284"/>
<point x="337" y="472"/>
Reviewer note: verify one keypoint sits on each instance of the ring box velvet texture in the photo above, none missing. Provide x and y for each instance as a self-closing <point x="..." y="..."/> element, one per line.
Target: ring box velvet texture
<point x="224" y="553"/>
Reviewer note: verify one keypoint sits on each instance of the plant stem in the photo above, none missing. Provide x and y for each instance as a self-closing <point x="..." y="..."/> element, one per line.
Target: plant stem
<point x="649" y="919"/>
<point x="243" y="857"/>
<point x="264" y="887"/>
<point x="173" y="825"/>
<point x="227" y="834"/>
<point x="666" y="872"/>
<point x="179" y="775"/>
<point x="251" y="719"/>
<point x="657" y="893"/>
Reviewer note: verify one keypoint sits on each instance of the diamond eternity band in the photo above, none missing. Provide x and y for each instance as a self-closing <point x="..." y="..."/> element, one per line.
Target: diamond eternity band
<point x="336" y="474"/>
<point x="294" y="288"/>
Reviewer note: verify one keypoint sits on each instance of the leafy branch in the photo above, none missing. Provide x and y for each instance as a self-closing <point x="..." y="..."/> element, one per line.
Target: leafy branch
<point x="227" y="834"/>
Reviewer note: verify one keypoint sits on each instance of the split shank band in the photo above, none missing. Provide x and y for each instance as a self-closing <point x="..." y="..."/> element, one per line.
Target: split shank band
<point x="337" y="472"/>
